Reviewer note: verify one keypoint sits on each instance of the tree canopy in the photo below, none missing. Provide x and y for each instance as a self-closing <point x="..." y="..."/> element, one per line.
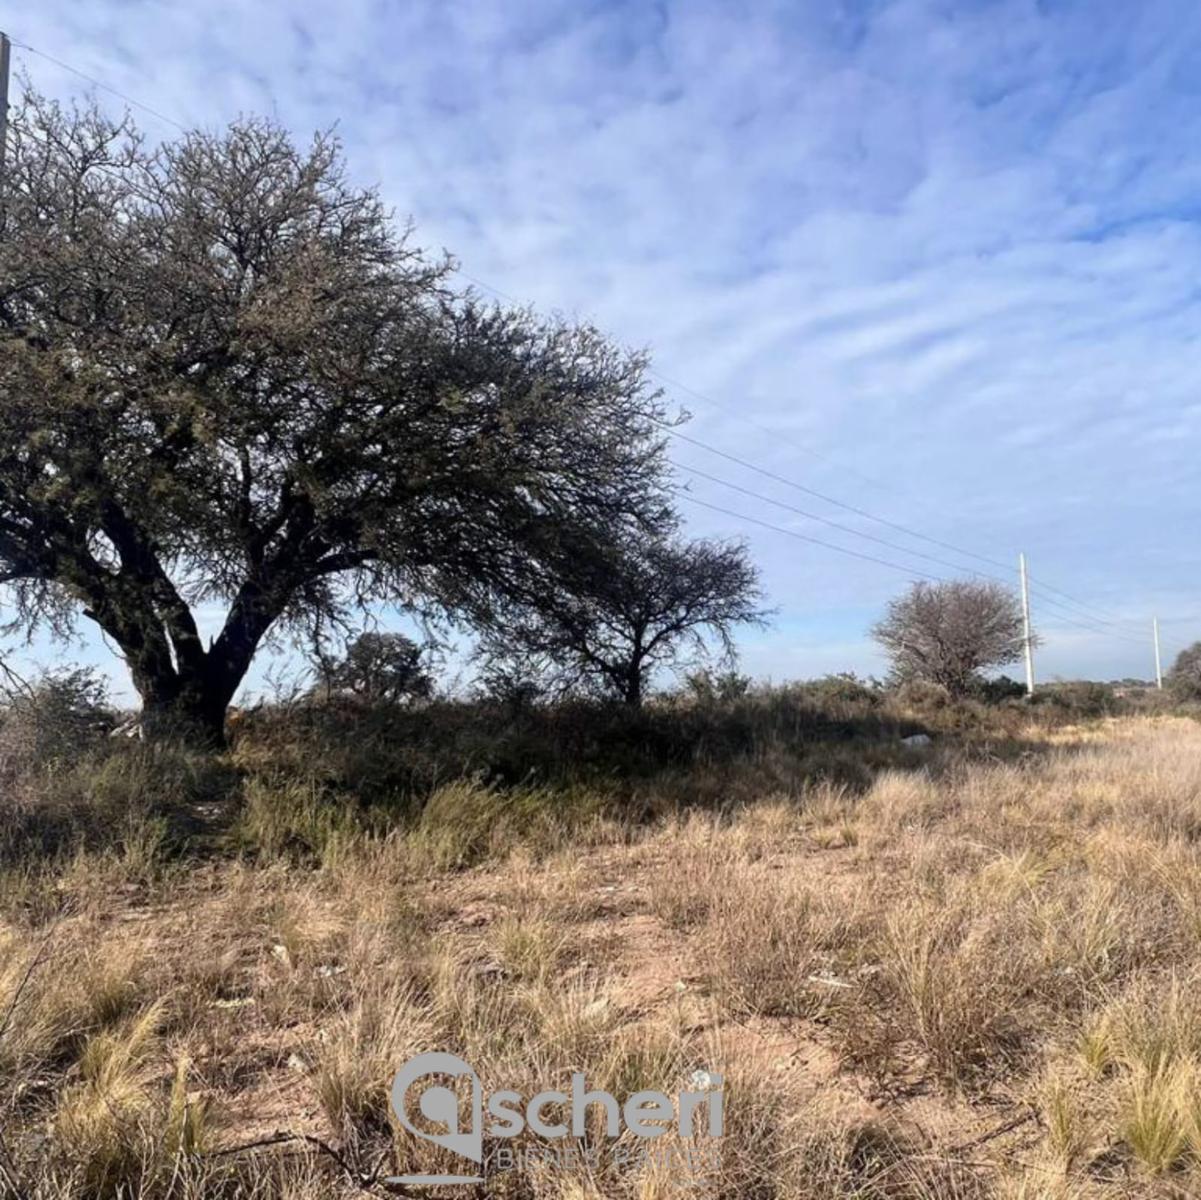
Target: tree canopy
<point x="609" y="620"/>
<point x="1184" y="679"/>
<point x="227" y="377"/>
<point x="947" y="633"/>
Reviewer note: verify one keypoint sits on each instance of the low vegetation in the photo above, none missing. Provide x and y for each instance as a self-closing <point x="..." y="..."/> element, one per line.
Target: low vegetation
<point x="965" y="968"/>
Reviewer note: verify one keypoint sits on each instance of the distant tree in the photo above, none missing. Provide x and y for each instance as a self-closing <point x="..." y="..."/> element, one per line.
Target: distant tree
<point x="383" y="667"/>
<point x="226" y="378"/>
<point x="708" y="686"/>
<point x="518" y="685"/>
<point x="1184" y="679"/>
<point x="947" y="633"/>
<point x="620" y="612"/>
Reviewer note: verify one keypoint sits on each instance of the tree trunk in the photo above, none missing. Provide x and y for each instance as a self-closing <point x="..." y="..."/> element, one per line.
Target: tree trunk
<point x="632" y="687"/>
<point x="195" y="716"/>
<point x="190" y="707"/>
<point x="185" y="694"/>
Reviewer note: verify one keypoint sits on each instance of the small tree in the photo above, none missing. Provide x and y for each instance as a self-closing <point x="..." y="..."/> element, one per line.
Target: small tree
<point x="385" y="667"/>
<point x="51" y="718"/>
<point x="617" y="616"/>
<point x="1184" y="678"/>
<point x="947" y="633"/>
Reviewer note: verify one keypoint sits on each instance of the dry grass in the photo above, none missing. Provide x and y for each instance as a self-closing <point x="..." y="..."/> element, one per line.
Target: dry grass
<point x="963" y="977"/>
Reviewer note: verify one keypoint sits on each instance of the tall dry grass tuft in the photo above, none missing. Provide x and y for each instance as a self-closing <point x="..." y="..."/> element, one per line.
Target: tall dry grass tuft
<point x="107" y="1122"/>
<point x="466" y="821"/>
<point x="794" y="965"/>
<point x="1153" y="1116"/>
<point x="356" y="1053"/>
<point x="954" y="981"/>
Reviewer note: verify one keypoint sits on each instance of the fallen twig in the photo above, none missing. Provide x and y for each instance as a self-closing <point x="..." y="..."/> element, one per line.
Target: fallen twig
<point x="1008" y="1126"/>
<point x="366" y="1183"/>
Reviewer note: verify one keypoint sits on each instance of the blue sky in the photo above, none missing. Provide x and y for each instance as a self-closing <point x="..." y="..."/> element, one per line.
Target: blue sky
<point x="937" y="260"/>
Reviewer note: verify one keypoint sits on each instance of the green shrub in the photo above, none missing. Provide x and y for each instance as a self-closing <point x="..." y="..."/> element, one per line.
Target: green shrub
<point x="995" y="691"/>
<point x="1078" y="698"/>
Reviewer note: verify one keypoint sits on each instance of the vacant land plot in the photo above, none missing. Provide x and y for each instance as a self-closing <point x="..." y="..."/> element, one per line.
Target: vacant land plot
<point x="972" y="976"/>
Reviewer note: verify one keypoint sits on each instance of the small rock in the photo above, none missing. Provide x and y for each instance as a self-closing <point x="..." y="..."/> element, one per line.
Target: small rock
<point x="916" y="739"/>
<point x="296" y="1063"/>
<point x="829" y="981"/>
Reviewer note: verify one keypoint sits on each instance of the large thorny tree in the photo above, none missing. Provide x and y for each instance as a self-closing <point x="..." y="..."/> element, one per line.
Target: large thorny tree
<point x="947" y="633"/>
<point x="227" y="380"/>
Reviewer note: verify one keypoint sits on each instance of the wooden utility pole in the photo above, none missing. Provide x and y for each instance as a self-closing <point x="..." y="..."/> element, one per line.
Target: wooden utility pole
<point x="1026" y="636"/>
<point x="1158" y="668"/>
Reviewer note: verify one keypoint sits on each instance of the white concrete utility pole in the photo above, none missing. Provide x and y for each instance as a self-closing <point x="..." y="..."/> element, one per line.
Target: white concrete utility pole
<point x="1158" y="668"/>
<point x="5" y="50"/>
<point x="1026" y="638"/>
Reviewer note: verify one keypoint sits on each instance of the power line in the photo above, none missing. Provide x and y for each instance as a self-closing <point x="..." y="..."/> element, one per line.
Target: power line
<point x="742" y="462"/>
<point x="808" y="491"/>
<point x="1071" y="617"/>
<point x="804" y="537"/>
<point x="674" y="432"/>
<point x="772" y="433"/>
<point x="1088" y="610"/>
<point x="102" y="86"/>
<point x="942" y="562"/>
